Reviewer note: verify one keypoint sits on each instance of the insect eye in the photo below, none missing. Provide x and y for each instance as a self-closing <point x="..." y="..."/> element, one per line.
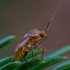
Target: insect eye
<point x="41" y="34"/>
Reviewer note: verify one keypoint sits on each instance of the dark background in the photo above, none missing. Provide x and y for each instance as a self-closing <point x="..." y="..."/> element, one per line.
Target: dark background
<point x="17" y="17"/>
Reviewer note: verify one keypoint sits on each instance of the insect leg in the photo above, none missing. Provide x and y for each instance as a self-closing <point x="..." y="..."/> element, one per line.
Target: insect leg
<point x="42" y="53"/>
<point x="41" y="48"/>
<point x="33" y="57"/>
<point x="26" y="62"/>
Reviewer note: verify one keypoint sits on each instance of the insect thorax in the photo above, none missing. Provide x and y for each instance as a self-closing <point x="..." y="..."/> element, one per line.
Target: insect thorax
<point x="33" y="43"/>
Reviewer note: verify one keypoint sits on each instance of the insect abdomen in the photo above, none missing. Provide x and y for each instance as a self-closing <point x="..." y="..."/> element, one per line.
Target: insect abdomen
<point x="19" y="55"/>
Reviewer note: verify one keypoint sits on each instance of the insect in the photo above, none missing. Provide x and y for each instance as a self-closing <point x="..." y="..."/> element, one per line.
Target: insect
<point x="31" y="41"/>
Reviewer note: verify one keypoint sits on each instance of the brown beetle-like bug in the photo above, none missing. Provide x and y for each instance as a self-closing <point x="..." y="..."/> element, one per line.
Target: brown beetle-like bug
<point x="31" y="41"/>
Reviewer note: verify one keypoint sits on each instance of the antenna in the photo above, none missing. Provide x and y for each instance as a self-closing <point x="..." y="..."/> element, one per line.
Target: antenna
<point x="51" y="19"/>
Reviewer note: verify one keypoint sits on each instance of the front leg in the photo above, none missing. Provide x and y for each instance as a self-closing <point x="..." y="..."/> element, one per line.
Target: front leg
<point x="31" y="48"/>
<point x="41" y="48"/>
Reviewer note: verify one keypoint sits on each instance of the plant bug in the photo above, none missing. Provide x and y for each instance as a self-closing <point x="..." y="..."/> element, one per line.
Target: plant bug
<point x="31" y="41"/>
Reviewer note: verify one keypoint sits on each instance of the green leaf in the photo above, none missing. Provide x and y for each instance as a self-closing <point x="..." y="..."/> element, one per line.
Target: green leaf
<point x="48" y="62"/>
<point x="10" y="65"/>
<point x="6" y="41"/>
<point x="30" y="63"/>
<point x="24" y="65"/>
<point x="39" y="64"/>
<point x="62" y="66"/>
<point x="67" y="68"/>
<point x="5" y="60"/>
<point x="59" y="52"/>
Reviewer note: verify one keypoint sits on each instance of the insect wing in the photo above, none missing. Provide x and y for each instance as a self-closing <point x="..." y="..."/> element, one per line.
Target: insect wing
<point x="33" y="32"/>
<point x="23" y="42"/>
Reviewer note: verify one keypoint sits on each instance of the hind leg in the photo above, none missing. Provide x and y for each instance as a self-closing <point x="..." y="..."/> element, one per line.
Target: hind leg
<point x="33" y="57"/>
<point x="26" y="62"/>
<point x="41" y="48"/>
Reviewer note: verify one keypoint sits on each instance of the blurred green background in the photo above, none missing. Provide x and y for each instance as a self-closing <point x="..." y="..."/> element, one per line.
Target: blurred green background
<point x="17" y="17"/>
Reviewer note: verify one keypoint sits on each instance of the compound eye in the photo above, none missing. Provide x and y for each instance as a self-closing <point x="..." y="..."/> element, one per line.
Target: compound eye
<point x="41" y="34"/>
